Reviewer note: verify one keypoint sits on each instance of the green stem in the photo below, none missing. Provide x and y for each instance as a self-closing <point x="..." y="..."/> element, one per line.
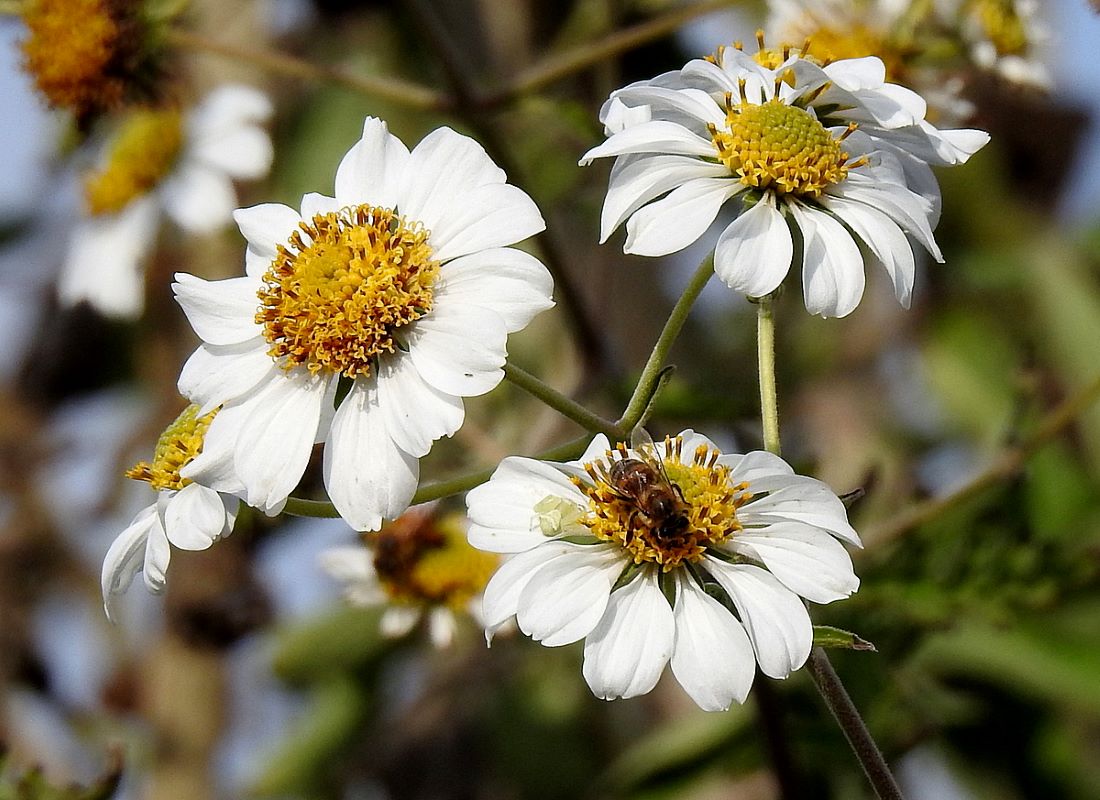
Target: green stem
<point x="323" y="509"/>
<point x="825" y="678"/>
<point x="765" y="355"/>
<point x="650" y="378"/>
<point x="560" y="403"/>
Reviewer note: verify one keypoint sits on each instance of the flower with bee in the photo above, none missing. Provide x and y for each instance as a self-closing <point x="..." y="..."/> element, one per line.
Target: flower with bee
<point x="664" y="553"/>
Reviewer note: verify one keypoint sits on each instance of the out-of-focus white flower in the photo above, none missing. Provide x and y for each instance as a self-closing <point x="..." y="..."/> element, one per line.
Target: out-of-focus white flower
<point x="420" y="565"/>
<point x="1003" y="36"/>
<point x="162" y="161"/>
<point x="401" y="287"/>
<point x="833" y="150"/>
<point x="185" y="514"/>
<point x="646" y="552"/>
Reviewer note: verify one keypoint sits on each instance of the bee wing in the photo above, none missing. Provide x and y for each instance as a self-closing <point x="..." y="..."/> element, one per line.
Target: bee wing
<point x="642" y="444"/>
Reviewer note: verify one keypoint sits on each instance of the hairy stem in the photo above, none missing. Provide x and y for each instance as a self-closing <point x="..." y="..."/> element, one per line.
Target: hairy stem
<point x="765" y="355"/>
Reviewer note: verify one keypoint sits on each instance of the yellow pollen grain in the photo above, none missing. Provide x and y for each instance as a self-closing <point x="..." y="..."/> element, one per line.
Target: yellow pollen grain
<point x="341" y="288"/>
<point x="709" y="503"/>
<point x="176" y="448"/>
<point x="779" y="147"/>
<point x="69" y="51"/>
<point x="142" y="154"/>
<point x="421" y="559"/>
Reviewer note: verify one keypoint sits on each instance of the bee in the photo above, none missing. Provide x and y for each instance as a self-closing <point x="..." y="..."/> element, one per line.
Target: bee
<point x="643" y="482"/>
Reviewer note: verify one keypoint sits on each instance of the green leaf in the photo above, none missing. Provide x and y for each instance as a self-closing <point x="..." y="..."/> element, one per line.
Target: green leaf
<point x="828" y="636"/>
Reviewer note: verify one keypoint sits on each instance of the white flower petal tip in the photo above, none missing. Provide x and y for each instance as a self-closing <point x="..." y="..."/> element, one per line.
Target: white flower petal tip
<point x="622" y="583"/>
<point x="679" y="156"/>
<point x="272" y="356"/>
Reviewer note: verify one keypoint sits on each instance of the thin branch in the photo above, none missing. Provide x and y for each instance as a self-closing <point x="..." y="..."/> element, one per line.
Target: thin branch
<point x="561" y="65"/>
<point x="395" y="90"/>
<point x="1004" y="466"/>
<point x="565" y="406"/>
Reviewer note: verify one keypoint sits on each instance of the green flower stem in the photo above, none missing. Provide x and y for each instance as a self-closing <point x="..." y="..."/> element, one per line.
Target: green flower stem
<point x="560" y="403"/>
<point x="821" y="670"/>
<point x="323" y="509"/>
<point x="650" y="378"/>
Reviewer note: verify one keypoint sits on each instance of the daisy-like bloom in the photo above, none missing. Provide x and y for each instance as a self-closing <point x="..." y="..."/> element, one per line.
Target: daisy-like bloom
<point x="90" y="56"/>
<point x="162" y="161"/>
<point x="668" y="552"/>
<point x="185" y="514"/>
<point x="401" y="288"/>
<point x="418" y="566"/>
<point x="831" y="149"/>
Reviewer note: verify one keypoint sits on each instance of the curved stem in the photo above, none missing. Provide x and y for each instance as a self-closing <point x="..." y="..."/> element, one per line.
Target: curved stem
<point x="825" y="678"/>
<point x="651" y="373"/>
<point x="559" y="402"/>
<point x="324" y="509"/>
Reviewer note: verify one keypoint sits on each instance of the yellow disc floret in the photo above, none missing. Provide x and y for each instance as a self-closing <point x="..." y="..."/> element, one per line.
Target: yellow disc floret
<point x="779" y="147"/>
<point x="694" y="505"/>
<point x="143" y="152"/>
<point x="176" y="448"/>
<point x="423" y="559"/>
<point x="345" y="283"/>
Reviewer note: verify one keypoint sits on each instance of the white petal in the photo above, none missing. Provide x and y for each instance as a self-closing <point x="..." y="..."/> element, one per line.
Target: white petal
<point x="675" y="221"/>
<point x="314" y="203"/>
<point x="198" y="198"/>
<point x="367" y="476"/>
<point x="713" y="658"/>
<point x="459" y="349"/>
<point x="414" y="414"/>
<point x="857" y="73"/>
<point x="221" y="312"/>
<point x="563" y="601"/>
<point x="657" y="136"/>
<point x="125" y="557"/>
<point x="194" y="517"/>
<point x="216" y="375"/>
<point x="802" y="499"/>
<point x="441" y="170"/>
<point x="691" y="108"/>
<point x="224" y="132"/>
<point x="884" y="238"/>
<point x="104" y="262"/>
<point x="442" y="627"/>
<point x="754" y="253"/>
<point x="230" y="105"/>
<point x="494" y="215"/>
<point x="806" y="560"/>
<point x="501" y="598"/>
<point x="157" y="555"/>
<point x="638" y="179"/>
<point x="832" y="266"/>
<point x="349" y="564"/>
<point x="909" y="210"/>
<point x="266" y="226"/>
<point x="399" y="620"/>
<point x="372" y="169"/>
<point x="502" y="511"/>
<point x="509" y="282"/>
<point x="276" y="437"/>
<point x="773" y="616"/>
<point x="754" y="466"/>
<point x="215" y="465"/>
<point x="627" y="652"/>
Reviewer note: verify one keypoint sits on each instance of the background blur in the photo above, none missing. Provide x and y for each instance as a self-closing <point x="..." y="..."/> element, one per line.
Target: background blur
<point x="966" y="420"/>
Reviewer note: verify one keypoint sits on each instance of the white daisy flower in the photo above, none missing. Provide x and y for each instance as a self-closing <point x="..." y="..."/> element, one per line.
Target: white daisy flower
<point x="834" y="150"/>
<point x="418" y="566"/>
<point x="185" y="514"/>
<point x="162" y="161"/>
<point x="401" y="287"/>
<point x="666" y="553"/>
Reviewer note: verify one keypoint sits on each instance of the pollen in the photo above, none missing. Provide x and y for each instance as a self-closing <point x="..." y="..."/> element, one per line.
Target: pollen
<point x="143" y="152"/>
<point x="176" y="448"/>
<point x="81" y="53"/>
<point x="424" y="559"/>
<point x="338" y="293"/>
<point x="702" y="514"/>
<point x="779" y="147"/>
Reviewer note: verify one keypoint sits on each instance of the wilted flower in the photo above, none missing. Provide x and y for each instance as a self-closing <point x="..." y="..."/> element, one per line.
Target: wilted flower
<point x="834" y="150"/>
<point x="401" y="289"/>
<point x="664" y="553"/>
<point x="162" y="160"/>
<point x="185" y="514"/>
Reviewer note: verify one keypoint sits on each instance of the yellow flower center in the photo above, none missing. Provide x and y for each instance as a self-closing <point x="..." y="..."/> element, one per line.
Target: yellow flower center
<point x="143" y="152"/>
<point x="779" y="147"/>
<point x="176" y="448"/>
<point x="676" y="517"/>
<point x="422" y="559"/>
<point x="1003" y="26"/>
<point x="346" y="282"/>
